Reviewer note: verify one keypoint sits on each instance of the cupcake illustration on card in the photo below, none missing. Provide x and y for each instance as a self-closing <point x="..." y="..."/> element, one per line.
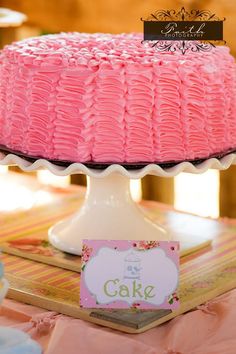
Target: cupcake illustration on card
<point x="132" y="266"/>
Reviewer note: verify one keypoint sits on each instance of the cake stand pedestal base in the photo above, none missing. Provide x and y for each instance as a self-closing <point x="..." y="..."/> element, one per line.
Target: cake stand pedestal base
<point x="108" y="213"/>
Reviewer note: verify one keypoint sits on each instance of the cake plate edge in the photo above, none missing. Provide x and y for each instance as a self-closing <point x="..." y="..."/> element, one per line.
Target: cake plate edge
<point x="150" y="169"/>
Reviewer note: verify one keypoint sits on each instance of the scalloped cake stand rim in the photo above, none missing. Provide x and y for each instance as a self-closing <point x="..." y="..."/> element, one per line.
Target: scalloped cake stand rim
<point x="150" y="169"/>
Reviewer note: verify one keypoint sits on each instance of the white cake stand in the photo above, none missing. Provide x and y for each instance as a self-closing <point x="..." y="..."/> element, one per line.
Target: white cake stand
<point x="108" y="211"/>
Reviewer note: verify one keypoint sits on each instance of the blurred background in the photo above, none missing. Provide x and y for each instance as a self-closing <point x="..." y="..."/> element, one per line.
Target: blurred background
<point x="211" y="194"/>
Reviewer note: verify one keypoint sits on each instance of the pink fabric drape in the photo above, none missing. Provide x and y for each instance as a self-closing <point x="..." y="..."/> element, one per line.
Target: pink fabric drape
<point x="209" y="329"/>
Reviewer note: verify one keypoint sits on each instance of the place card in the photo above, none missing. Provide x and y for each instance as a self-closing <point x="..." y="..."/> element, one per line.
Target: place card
<point x="129" y="274"/>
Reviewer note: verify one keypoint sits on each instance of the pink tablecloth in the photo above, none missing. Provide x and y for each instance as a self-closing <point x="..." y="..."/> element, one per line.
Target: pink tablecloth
<point x="210" y="329"/>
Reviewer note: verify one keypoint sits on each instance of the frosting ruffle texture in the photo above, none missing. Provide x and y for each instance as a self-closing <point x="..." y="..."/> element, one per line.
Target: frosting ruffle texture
<point x="110" y="98"/>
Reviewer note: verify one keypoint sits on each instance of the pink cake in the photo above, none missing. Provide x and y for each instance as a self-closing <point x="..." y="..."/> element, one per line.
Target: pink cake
<point x="110" y="98"/>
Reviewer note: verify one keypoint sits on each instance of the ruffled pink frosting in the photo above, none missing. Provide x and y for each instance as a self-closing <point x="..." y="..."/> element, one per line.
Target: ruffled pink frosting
<point x="110" y="98"/>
